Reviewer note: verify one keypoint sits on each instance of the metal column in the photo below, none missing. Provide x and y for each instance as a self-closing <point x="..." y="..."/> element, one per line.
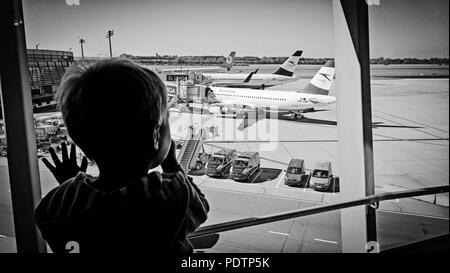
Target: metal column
<point x="355" y="149"/>
<point x="18" y="110"/>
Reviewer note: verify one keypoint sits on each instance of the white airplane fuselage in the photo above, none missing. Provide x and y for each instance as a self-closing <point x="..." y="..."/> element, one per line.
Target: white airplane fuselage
<point x="280" y="100"/>
<point x="194" y="69"/>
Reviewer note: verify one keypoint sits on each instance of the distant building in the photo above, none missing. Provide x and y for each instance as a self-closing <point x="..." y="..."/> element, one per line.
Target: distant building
<point x="46" y="69"/>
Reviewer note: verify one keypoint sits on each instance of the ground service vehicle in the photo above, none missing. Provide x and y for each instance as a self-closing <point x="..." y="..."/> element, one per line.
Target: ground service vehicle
<point x="321" y="176"/>
<point x="220" y="162"/>
<point x="295" y="174"/>
<point x="245" y="165"/>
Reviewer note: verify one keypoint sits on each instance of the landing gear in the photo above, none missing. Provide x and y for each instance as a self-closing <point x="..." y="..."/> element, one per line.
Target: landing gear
<point x="296" y="116"/>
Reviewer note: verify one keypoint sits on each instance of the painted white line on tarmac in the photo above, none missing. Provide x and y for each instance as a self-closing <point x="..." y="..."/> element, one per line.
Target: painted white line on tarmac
<point x="308" y="190"/>
<point x="325" y="241"/>
<point x="279" y="233"/>
<point x="236" y="190"/>
<point x="265" y="195"/>
<point x="281" y="179"/>
<point x="203" y="180"/>
<point x="254" y="178"/>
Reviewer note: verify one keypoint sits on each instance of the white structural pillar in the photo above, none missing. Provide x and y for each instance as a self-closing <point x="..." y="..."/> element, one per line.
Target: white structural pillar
<point x="354" y="120"/>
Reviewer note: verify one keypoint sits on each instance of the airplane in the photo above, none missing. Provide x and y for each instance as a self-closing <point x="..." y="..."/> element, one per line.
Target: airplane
<point x="284" y="74"/>
<point x="227" y="64"/>
<point x="171" y="86"/>
<point x="314" y="94"/>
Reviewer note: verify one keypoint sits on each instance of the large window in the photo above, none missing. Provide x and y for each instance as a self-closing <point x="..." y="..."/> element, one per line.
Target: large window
<point x="296" y="120"/>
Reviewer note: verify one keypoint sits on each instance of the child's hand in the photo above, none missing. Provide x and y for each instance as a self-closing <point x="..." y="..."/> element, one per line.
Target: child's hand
<point x="67" y="168"/>
<point x="170" y="163"/>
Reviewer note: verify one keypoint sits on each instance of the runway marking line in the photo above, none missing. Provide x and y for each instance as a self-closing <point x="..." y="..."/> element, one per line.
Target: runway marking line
<point x="279" y="233"/>
<point x="325" y="241"/>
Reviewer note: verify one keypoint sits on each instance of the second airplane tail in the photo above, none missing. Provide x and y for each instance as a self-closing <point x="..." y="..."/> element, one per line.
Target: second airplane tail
<point x="320" y="84"/>
<point x="289" y="66"/>
<point x="228" y="63"/>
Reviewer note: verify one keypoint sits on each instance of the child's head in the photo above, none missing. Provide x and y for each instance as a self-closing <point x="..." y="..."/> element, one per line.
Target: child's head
<point x="116" y="112"/>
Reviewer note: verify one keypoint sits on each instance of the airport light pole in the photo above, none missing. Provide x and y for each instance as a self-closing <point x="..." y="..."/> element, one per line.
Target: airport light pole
<point x="37" y="46"/>
<point x="82" y="41"/>
<point x="108" y="36"/>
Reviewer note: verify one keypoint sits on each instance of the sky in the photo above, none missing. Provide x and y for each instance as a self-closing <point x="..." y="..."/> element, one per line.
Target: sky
<point x="398" y="28"/>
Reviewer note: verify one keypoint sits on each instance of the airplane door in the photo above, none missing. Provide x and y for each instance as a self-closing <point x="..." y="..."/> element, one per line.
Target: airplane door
<point x="296" y="102"/>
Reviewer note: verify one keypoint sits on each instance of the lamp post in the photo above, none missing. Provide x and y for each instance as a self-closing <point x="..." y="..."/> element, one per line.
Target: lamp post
<point x="82" y="41"/>
<point x="37" y="46"/>
<point x="108" y="36"/>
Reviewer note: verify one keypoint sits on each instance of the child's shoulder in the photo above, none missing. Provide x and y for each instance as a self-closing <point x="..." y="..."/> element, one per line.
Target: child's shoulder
<point x="76" y="181"/>
<point x="59" y="202"/>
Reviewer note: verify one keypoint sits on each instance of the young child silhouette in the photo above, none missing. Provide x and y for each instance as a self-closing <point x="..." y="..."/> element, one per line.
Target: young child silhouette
<point x="117" y="113"/>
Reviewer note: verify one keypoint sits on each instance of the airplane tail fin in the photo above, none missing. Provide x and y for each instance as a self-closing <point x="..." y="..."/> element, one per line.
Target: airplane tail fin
<point x="320" y="84"/>
<point x="229" y="61"/>
<point x="288" y="67"/>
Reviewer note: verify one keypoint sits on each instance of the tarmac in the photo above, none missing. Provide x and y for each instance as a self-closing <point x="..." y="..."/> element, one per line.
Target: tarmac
<point x="410" y="133"/>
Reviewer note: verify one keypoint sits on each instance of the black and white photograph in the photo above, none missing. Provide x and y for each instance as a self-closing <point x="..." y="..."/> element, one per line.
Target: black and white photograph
<point x="228" y="134"/>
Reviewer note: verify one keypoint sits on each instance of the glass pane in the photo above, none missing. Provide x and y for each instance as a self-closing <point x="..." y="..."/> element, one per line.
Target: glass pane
<point x="259" y="76"/>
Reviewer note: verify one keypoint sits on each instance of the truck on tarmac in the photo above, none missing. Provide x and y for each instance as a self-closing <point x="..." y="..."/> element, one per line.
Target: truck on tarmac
<point x="245" y="165"/>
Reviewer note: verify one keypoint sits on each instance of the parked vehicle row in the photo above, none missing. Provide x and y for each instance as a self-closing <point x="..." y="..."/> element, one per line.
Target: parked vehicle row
<point x="243" y="167"/>
<point x="226" y="161"/>
<point x="320" y="179"/>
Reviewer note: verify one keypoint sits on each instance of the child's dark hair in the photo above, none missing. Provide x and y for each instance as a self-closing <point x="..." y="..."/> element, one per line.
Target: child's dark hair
<point x="111" y="104"/>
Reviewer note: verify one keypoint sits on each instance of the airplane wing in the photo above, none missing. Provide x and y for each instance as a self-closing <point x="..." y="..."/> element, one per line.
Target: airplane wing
<point x="249" y="77"/>
<point x="235" y="105"/>
<point x="244" y="85"/>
